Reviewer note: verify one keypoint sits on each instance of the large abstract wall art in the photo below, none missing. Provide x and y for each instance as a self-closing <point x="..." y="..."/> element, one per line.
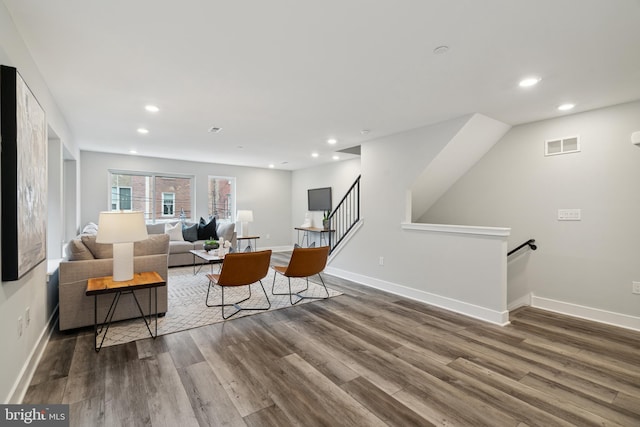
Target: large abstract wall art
<point x="23" y="128"/>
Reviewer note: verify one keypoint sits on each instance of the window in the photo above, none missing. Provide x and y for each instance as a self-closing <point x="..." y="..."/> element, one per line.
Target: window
<point x="120" y="198"/>
<point x="159" y="196"/>
<point x="222" y="201"/>
<point x="168" y="204"/>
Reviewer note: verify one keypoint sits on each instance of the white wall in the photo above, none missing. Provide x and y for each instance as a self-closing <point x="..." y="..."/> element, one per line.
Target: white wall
<point x="589" y="263"/>
<point x="32" y="290"/>
<point x="339" y="176"/>
<point x="457" y="271"/>
<point x="267" y="192"/>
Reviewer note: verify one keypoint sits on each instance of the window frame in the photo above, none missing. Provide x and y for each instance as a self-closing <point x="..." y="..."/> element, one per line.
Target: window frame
<point x="233" y="205"/>
<point x="153" y="217"/>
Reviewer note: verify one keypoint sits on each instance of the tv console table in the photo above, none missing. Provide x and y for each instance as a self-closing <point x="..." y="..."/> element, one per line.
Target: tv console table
<point x="307" y="230"/>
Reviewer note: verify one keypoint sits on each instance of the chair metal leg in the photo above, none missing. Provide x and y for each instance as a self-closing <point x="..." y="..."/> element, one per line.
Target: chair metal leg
<point x="236" y="304"/>
<point x="300" y="297"/>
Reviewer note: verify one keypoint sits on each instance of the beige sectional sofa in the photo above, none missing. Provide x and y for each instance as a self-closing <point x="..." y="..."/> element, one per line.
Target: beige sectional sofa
<point x="87" y="259"/>
<point x="179" y="248"/>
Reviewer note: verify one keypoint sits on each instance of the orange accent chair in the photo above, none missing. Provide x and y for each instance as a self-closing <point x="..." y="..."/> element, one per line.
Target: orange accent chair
<point x="241" y="269"/>
<point x="304" y="262"/>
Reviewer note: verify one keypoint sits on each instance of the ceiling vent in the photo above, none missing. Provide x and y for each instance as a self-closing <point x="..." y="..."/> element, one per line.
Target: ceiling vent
<point x="214" y="129"/>
<point x="570" y="144"/>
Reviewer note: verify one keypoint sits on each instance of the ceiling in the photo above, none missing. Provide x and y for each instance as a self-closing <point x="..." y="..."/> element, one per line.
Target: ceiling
<point x="280" y="77"/>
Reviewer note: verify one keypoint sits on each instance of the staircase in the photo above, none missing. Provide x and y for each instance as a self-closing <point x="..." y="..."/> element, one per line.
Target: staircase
<point x="346" y="215"/>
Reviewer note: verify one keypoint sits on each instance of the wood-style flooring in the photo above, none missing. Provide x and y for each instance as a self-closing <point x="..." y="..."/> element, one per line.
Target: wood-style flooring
<point x="365" y="358"/>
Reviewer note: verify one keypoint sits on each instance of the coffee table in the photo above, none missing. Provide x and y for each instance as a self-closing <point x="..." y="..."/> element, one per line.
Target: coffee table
<point x="209" y="257"/>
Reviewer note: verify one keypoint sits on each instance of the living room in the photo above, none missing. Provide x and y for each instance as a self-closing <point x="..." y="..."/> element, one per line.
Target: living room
<point x="508" y="192"/>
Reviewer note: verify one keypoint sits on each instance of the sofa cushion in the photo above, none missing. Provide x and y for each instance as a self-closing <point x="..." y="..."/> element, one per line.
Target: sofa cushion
<point x="190" y="232"/>
<point x="174" y="231"/>
<point x="181" y="247"/>
<point x="157" y="228"/>
<point x="77" y="251"/>
<point x="226" y="229"/>
<point x="207" y="230"/>
<point x="156" y="244"/>
<point x="99" y="250"/>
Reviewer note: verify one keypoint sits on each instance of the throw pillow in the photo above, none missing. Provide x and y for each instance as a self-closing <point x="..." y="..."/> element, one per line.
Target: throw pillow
<point x="90" y="228"/>
<point x="156" y="244"/>
<point x="207" y="230"/>
<point x="99" y="250"/>
<point x="226" y="229"/>
<point x="174" y="231"/>
<point x="77" y="251"/>
<point x="190" y="232"/>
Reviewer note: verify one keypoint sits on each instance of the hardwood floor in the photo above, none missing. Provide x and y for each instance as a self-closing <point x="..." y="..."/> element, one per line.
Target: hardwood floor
<point x="365" y="358"/>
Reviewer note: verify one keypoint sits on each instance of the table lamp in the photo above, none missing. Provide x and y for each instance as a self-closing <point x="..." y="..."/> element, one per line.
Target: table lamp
<point x="122" y="229"/>
<point x="245" y="217"/>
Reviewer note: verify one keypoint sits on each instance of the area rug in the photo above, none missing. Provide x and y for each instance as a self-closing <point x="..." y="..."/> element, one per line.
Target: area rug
<point x="186" y="299"/>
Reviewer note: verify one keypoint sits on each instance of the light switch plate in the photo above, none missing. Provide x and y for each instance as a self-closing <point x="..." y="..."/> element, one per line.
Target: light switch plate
<point x="569" y="215"/>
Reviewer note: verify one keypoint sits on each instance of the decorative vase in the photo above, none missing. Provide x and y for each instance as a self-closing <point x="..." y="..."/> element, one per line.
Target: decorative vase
<point x="326" y="224"/>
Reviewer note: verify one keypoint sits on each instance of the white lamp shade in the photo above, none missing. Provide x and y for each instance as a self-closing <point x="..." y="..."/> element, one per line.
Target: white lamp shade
<point x="245" y="216"/>
<point x="121" y="227"/>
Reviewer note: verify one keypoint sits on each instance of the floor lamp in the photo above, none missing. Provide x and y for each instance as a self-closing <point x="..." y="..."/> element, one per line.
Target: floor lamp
<point x="122" y="229"/>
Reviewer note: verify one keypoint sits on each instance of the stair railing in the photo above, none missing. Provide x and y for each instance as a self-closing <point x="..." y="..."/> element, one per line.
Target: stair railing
<point x="346" y="215"/>
<point x="530" y="243"/>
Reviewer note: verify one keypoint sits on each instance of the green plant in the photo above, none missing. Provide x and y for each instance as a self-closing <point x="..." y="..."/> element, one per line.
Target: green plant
<point x="326" y="215"/>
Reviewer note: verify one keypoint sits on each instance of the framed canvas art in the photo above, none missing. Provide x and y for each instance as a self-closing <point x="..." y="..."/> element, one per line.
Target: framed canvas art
<point x="23" y="128"/>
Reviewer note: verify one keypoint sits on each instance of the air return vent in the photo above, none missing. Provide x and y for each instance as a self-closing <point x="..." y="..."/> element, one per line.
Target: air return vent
<point x="570" y="144"/>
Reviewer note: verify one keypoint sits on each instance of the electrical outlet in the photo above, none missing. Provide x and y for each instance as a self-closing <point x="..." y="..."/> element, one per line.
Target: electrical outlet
<point x="381" y="260"/>
<point x="19" y="326"/>
<point x="27" y="317"/>
<point x="635" y="288"/>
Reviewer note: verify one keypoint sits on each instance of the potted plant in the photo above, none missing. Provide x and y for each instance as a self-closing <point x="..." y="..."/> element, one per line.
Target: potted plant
<point x="210" y="244"/>
<point x="326" y="222"/>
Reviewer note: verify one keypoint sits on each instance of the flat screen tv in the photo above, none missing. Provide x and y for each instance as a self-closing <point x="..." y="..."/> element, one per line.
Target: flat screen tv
<point x="319" y="199"/>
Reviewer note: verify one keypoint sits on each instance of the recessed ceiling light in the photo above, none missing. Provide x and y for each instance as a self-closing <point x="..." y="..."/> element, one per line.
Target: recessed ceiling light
<point x="133" y="152"/>
<point x="336" y="157"/>
<point x="440" y="50"/>
<point x="143" y="131"/>
<point x="332" y="141"/>
<point x="365" y="131"/>
<point x="314" y="154"/>
<point x="566" y="107"/>
<point x="529" y="81"/>
<point x="271" y="165"/>
<point x="151" y="108"/>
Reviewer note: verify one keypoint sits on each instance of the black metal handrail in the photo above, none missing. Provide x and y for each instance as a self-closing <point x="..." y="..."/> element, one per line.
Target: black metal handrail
<point x="346" y="215"/>
<point x="530" y="243"/>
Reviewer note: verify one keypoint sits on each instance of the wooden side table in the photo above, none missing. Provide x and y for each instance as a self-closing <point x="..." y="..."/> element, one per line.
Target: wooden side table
<point x="105" y="285"/>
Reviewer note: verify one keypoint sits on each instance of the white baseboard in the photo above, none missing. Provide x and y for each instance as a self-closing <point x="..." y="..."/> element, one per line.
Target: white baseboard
<point x="21" y="385"/>
<point x="467" y="309"/>
<point x="523" y="301"/>
<point x="588" y="313"/>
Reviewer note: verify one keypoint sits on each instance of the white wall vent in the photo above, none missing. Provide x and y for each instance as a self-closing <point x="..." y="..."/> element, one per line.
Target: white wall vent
<point x="570" y="144"/>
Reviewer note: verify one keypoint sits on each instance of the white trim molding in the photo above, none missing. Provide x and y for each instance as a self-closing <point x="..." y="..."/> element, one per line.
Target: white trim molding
<point x="588" y="313"/>
<point x="467" y="309"/>
<point x="523" y="301"/>
<point x="458" y="229"/>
